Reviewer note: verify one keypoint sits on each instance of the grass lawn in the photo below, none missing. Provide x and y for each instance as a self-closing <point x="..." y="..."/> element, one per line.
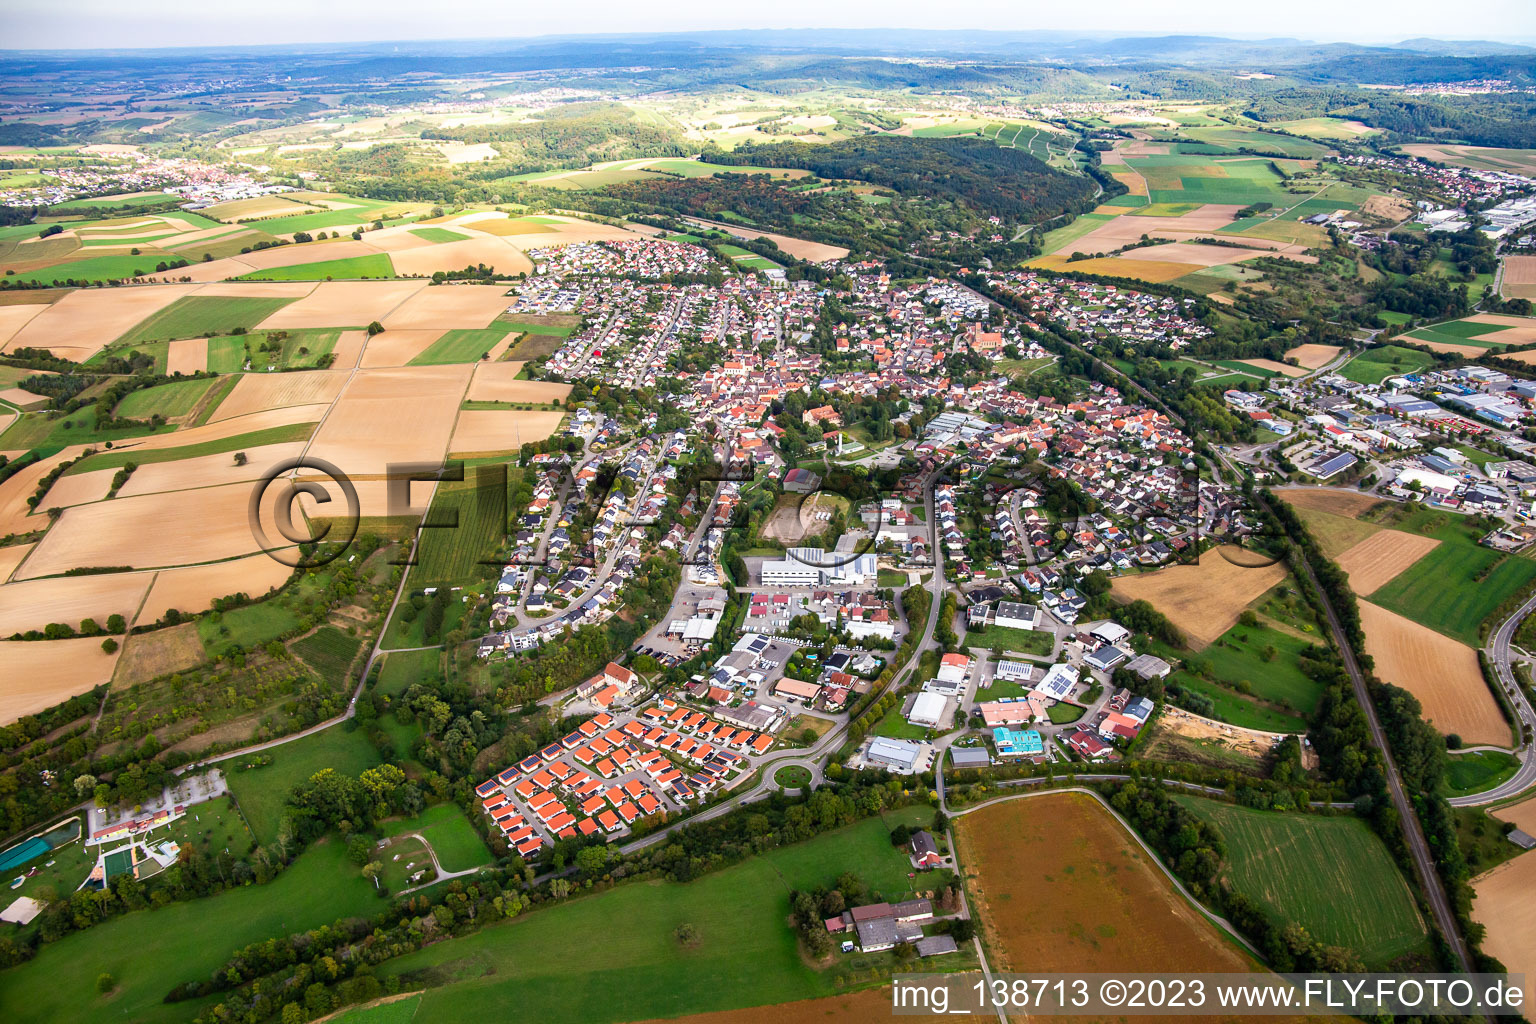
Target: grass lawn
<point x="745" y="955"/>
<point x="898" y="728"/>
<point x="1008" y="638"/>
<point x="375" y="264"/>
<point x="891" y="578"/>
<point x="404" y="668"/>
<point x="792" y="776"/>
<point x="1375" y="365"/>
<point x="1001" y="688"/>
<point x="151" y="951"/>
<point x="462" y="346"/>
<point x="1061" y="714"/>
<point x="1456" y="586"/>
<point x="453" y="838"/>
<point x="1332" y="875"/>
<point x="1478" y="770"/>
<point x="201" y="316"/>
<point x="263" y="791"/>
<point x="169" y="400"/>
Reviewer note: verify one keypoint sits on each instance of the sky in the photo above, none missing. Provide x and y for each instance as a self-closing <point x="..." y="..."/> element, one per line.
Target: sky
<point x="84" y="24"/>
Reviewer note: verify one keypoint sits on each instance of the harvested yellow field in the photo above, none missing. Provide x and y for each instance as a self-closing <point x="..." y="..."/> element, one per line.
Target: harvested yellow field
<point x="1381" y="557"/>
<point x="85" y="320"/>
<point x="193" y="589"/>
<point x="70" y="600"/>
<point x="23" y="399"/>
<point x="1527" y="356"/>
<point x="1442" y="673"/>
<point x="1202" y="601"/>
<point x="349" y="349"/>
<point x="1471" y="351"/>
<point x="232" y="427"/>
<point x="14" y="318"/>
<point x="1201" y="255"/>
<point x="258" y="289"/>
<point x="77" y="489"/>
<point x="1338" y="501"/>
<point x="1313" y="356"/>
<point x="256" y="392"/>
<point x="814" y="252"/>
<point x="201" y="273"/>
<point x="42" y="673"/>
<point x="502" y="226"/>
<point x="308" y="252"/>
<point x="491" y="431"/>
<point x="1285" y="369"/>
<point x="187" y="356"/>
<point x="1523" y="814"/>
<point x="11" y="557"/>
<point x="343" y="304"/>
<point x="1519" y="277"/>
<point x="497" y="382"/>
<point x="260" y="206"/>
<point x="15" y="516"/>
<point x="1503" y="905"/>
<point x="147" y="531"/>
<point x="449" y="307"/>
<point x="206" y="470"/>
<point x="396" y="239"/>
<point x="397" y="348"/>
<point x="449" y="256"/>
<point x="392" y="416"/>
<point x="1116" y="266"/>
<point x="150" y="655"/>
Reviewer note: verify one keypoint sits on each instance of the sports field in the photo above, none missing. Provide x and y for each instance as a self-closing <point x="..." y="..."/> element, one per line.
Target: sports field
<point x="745" y="955"/>
<point x="1331" y="875"/>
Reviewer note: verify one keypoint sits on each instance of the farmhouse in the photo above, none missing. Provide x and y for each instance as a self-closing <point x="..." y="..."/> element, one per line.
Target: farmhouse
<point x="925" y="852"/>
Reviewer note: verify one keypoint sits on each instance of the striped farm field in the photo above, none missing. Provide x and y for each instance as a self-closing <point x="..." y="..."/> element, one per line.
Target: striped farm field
<point x="1382" y="557"/>
<point x="201" y="316"/>
<point x="373" y="265"/>
<point x="1331" y="875"/>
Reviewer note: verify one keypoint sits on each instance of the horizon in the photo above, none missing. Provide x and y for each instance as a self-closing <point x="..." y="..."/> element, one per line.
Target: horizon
<point x="35" y="26"/>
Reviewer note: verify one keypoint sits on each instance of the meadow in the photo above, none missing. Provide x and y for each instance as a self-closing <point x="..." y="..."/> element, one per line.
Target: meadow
<point x="1331" y="875"/>
<point x="178" y="398"/>
<point x="1007" y="638"/>
<point x="462" y="346"/>
<point x="457" y="845"/>
<point x="263" y="791"/>
<point x="404" y="668"/>
<point x="1478" y="770"/>
<point x="151" y="951"/>
<point x="1239" y="656"/>
<point x="745" y="955"/>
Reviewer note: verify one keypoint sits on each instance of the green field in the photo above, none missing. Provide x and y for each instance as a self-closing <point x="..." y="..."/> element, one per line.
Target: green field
<point x="457" y="845"/>
<point x="111" y="201"/>
<point x="255" y="439"/>
<point x="897" y="727"/>
<point x="455" y="556"/>
<point x="404" y="668"/>
<point x="151" y="951"/>
<point x="373" y="265"/>
<point x="1461" y="332"/>
<point x="249" y="626"/>
<point x="328" y="651"/>
<point x="1331" y="875"/>
<point x="1063" y="236"/>
<point x="550" y="329"/>
<point x="745" y="955"/>
<point x="169" y="400"/>
<point x="300" y="349"/>
<point x="263" y="791"/>
<point x="437" y="235"/>
<point x="1238" y="656"/>
<point x="400" y="1011"/>
<point x="1375" y="365"/>
<point x="1229" y="706"/>
<point x="201" y="316"/>
<point x="1008" y="638"/>
<point x="462" y="346"/>
<point x="1454" y="587"/>
<point x="1476" y="771"/>
<point x="96" y="268"/>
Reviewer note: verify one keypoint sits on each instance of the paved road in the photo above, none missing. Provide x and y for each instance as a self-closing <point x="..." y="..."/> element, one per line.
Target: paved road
<point x="1499" y="656"/>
